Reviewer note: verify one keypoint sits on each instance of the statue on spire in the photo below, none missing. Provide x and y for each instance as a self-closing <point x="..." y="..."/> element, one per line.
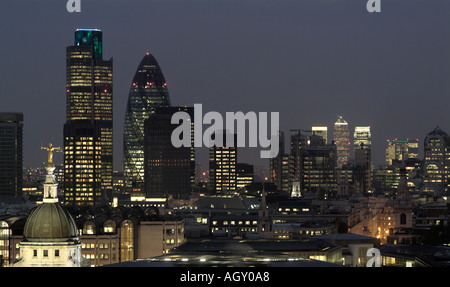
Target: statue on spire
<point x="50" y="148"/>
<point x="50" y="184"/>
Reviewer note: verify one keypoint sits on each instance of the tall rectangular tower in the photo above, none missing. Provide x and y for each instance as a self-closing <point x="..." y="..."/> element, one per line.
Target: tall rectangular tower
<point x="363" y="157"/>
<point x="168" y="170"/>
<point x="88" y="132"/>
<point x="222" y="166"/>
<point x="341" y="138"/>
<point x="11" y="159"/>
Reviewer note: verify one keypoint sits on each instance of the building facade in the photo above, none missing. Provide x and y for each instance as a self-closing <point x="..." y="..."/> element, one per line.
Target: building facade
<point x="341" y="138"/>
<point x="88" y="131"/>
<point x="148" y="91"/>
<point x="436" y="165"/>
<point x="50" y="235"/>
<point x="11" y="154"/>
<point x="401" y="149"/>
<point x="363" y="158"/>
<point x="222" y="166"/>
<point x="168" y="170"/>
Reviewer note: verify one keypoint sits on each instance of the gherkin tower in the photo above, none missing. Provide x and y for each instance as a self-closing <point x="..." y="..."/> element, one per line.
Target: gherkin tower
<point x="147" y="92"/>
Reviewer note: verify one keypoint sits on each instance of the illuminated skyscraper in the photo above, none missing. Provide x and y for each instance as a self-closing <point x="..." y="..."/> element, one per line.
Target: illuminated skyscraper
<point x="321" y="131"/>
<point x="341" y="137"/>
<point x="147" y="92"/>
<point x="362" y="138"/>
<point x="436" y="164"/>
<point x="223" y="166"/>
<point x="11" y="149"/>
<point x="363" y="157"/>
<point x="401" y="149"/>
<point x="88" y="132"/>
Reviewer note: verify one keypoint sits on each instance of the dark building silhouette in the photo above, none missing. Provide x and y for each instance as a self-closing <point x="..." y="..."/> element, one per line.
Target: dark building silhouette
<point x="168" y="170"/>
<point x="11" y="158"/>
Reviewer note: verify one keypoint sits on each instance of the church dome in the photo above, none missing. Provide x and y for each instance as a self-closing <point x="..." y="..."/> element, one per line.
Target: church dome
<point x="50" y="222"/>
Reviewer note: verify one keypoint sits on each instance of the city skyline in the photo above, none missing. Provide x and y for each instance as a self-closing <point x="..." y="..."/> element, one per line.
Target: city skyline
<point x="325" y="59"/>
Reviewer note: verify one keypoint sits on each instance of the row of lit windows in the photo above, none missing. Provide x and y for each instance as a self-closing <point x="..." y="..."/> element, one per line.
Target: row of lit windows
<point x="101" y="256"/>
<point x="99" y="245"/>
<point x="233" y="222"/>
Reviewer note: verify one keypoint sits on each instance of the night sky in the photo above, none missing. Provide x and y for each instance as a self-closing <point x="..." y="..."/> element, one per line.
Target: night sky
<point x="309" y="60"/>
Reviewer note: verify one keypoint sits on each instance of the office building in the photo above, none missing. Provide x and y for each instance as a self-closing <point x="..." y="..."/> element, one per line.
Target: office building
<point x="299" y="143"/>
<point x="362" y="146"/>
<point x="321" y="132"/>
<point x="436" y="165"/>
<point x="148" y="91"/>
<point x="11" y="154"/>
<point x="168" y="170"/>
<point x="401" y="150"/>
<point x="341" y="138"/>
<point x="279" y="166"/>
<point x="319" y="170"/>
<point x="222" y="166"/>
<point x="88" y="131"/>
<point x="244" y="175"/>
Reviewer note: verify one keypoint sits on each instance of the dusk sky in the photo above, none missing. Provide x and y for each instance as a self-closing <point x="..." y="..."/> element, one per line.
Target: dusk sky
<point x="309" y="60"/>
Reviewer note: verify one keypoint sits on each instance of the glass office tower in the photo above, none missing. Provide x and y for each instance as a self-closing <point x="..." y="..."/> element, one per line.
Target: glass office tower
<point x="11" y="154"/>
<point x="168" y="170"/>
<point x="147" y="92"/>
<point x="88" y="132"/>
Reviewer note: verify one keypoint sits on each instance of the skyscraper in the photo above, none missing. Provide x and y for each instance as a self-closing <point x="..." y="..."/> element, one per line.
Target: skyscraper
<point x="363" y="157"/>
<point x="147" y="92"/>
<point x="401" y="149"/>
<point x="362" y="138"/>
<point x="244" y="175"/>
<point x="436" y="164"/>
<point x="319" y="170"/>
<point x="168" y="170"/>
<point x="88" y="132"/>
<point x="279" y="167"/>
<point x="341" y="137"/>
<point x="222" y="166"/>
<point x="11" y="158"/>
<point x="320" y="131"/>
<point x="299" y="143"/>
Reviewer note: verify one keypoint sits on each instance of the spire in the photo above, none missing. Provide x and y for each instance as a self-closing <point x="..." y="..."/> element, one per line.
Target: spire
<point x="50" y="184"/>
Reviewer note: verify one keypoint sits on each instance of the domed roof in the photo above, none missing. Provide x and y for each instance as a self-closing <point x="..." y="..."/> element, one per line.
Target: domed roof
<point x="50" y="222"/>
<point x="438" y="133"/>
